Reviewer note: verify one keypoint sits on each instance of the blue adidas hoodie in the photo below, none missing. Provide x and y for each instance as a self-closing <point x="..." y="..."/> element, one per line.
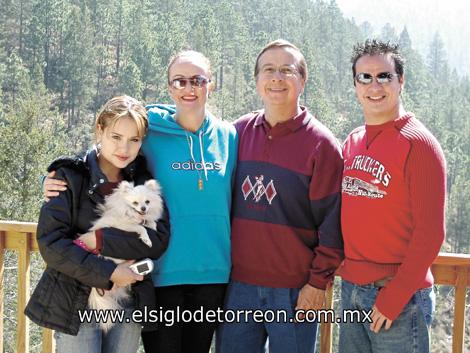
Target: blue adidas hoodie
<point x="196" y="172"/>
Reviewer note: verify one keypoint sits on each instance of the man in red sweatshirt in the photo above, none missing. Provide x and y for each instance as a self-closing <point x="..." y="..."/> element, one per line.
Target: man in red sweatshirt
<point x="393" y="196"/>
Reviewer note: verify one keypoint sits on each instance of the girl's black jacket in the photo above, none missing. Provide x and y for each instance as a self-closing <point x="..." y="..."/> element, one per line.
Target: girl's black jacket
<point x="71" y="271"/>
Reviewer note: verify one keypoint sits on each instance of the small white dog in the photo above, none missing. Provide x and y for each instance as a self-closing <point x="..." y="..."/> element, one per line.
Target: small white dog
<point x="128" y="208"/>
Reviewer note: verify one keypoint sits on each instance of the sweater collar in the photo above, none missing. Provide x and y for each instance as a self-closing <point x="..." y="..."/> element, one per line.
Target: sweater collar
<point x="398" y="123"/>
<point x="372" y="131"/>
<point x="293" y="124"/>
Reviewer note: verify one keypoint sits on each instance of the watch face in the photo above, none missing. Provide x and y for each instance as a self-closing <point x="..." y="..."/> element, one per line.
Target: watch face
<point x="142" y="268"/>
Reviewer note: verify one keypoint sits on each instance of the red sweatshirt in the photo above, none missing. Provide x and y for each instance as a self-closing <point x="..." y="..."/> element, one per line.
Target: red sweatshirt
<point x="392" y="217"/>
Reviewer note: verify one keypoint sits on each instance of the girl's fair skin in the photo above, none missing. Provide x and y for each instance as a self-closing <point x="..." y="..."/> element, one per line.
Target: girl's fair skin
<point x="120" y="145"/>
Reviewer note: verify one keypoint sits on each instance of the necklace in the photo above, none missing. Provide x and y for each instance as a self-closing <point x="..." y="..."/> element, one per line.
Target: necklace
<point x="200" y="184"/>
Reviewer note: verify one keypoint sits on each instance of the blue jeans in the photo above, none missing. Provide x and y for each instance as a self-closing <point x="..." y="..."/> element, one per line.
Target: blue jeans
<point x="249" y="336"/>
<point x="409" y="332"/>
<point x="121" y="338"/>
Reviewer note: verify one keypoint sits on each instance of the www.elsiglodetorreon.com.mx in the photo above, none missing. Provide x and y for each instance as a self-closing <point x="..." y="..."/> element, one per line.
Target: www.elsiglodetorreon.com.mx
<point x="170" y="317"/>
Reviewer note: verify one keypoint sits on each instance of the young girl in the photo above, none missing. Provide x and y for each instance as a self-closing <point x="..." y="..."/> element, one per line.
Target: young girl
<point x="61" y="296"/>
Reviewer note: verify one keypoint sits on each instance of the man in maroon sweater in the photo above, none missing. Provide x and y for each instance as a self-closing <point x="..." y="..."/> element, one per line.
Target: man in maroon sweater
<point x="393" y="195"/>
<point x="286" y="237"/>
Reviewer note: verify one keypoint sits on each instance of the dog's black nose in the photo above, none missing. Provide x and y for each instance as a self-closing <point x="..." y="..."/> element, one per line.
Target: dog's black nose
<point x="143" y="208"/>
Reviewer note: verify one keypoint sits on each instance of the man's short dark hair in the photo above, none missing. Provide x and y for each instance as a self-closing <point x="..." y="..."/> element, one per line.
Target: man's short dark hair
<point x="377" y="47"/>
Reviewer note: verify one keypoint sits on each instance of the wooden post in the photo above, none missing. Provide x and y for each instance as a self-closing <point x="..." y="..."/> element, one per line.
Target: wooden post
<point x="48" y="342"/>
<point x="2" y="247"/>
<point x="24" y="241"/>
<point x="459" y="310"/>
<point x="326" y="328"/>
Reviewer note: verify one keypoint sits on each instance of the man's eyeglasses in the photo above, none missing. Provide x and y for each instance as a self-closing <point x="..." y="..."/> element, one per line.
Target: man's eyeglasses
<point x="195" y="81"/>
<point x="384" y="77"/>
<point x="286" y="71"/>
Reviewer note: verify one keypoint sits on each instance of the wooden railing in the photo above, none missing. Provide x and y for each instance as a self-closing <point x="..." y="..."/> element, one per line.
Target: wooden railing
<point x="20" y="237"/>
<point x="448" y="269"/>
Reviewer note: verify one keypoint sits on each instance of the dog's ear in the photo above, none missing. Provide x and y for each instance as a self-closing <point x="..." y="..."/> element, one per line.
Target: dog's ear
<point x="152" y="185"/>
<point x="125" y="186"/>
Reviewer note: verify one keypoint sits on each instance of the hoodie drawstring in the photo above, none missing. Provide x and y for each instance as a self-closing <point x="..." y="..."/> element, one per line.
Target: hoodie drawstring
<point x="203" y="162"/>
<point x="201" y="147"/>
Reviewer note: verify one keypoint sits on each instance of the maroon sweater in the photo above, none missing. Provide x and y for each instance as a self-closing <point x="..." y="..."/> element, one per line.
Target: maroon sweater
<point x="286" y="207"/>
<point x="392" y="208"/>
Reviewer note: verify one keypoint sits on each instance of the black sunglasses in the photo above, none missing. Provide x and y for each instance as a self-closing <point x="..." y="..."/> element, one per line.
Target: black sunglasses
<point x="195" y="81"/>
<point x="384" y="77"/>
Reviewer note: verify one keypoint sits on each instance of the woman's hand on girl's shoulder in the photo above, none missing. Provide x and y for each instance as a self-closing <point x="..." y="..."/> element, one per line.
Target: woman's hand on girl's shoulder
<point x="51" y="186"/>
